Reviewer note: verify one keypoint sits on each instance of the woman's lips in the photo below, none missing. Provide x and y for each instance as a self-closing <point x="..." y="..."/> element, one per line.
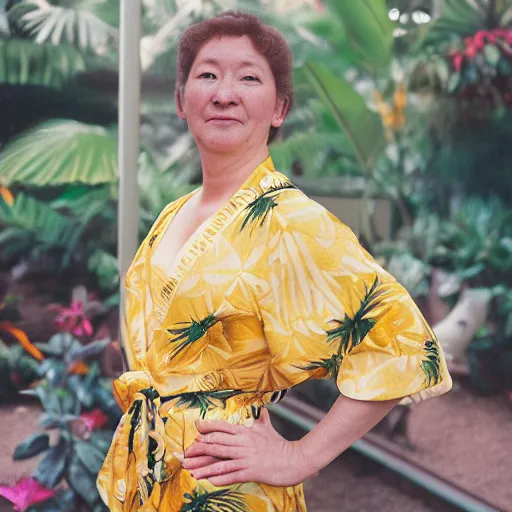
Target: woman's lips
<point x="223" y="121"/>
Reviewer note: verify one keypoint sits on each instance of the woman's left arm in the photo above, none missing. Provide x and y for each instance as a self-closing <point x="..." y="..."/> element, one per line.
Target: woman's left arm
<point x="227" y="454"/>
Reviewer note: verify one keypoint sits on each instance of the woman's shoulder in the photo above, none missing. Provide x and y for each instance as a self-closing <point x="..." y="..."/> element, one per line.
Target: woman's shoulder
<point x="294" y="209"/>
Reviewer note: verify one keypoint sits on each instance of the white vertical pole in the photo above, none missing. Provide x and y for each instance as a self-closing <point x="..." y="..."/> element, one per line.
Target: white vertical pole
<point x="129" y="121"/>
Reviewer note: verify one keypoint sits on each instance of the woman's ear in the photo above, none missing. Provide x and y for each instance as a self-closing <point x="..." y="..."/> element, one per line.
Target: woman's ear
<point x="180" y="110"/>
<point x="282" y="107"/>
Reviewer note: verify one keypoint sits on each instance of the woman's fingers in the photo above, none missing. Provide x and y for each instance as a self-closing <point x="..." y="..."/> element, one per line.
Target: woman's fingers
<point x="237" y="477"/>
<point x="213" y="450"/>
<point x="222" y="438"/>
<point x="218" y="468"/>
<point x="198" y="462"/>
<point x="206" y="426"/>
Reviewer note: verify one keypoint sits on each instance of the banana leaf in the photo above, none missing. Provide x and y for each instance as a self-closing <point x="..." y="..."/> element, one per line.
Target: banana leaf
<point x="362" y="126"/>
<point x="369" y="31"/>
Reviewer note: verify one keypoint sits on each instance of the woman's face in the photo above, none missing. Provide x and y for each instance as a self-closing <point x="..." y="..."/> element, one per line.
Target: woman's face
<point x="230" y="98"/>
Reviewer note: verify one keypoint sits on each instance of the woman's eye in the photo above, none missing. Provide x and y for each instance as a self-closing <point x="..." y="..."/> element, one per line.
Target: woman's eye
<point x="251" y="78"/>
<point x="207" y="75"/>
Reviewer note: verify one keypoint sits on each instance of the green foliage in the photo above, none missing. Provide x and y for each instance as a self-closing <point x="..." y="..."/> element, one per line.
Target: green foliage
<point x="24" y="63"/>
<point x="78" y="454"/>
<point x="17" y="370"/>
<point x="369" y="32"/>
<point x="76" y="24"/>
<point x="32" y="446"/>
<point x="362" y="126"/>
<point x="104" y="265"/>
<point x="39" y="221"/>
<point x="462" y="18"/>
<point x="60" y="152"/>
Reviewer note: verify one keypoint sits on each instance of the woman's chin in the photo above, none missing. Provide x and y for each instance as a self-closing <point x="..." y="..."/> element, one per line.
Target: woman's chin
<point x="223" y="144"/>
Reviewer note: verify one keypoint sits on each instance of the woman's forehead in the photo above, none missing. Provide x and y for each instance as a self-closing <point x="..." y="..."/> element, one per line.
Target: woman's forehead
<point x="230" y="50"/>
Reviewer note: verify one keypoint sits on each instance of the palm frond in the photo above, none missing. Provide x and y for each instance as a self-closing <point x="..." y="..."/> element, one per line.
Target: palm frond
<point x="204" y="400"/>
<point x="431" y="364"/>
<point x="259" y="209"/>
<point x="224" y="500"/>
<point x="24" y="63"/>
<point x="352" y="331"/>
<point x="193" y="332"/>
<point x="39" y="221"/>
<point x="330" y="365"/>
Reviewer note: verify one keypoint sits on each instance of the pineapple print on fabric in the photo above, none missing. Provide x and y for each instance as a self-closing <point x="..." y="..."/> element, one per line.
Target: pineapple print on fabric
<point x="271" y="291"/>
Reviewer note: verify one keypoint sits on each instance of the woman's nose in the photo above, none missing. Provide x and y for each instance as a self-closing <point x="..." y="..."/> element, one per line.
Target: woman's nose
<point x="226" y="93"/>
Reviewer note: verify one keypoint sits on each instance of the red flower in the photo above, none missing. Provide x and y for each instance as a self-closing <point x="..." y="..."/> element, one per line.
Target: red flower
<point x="470" y="51"/>
<point x="25" y="493"/>
<point x="94" y="419"/>
<point x="457" y="60"/>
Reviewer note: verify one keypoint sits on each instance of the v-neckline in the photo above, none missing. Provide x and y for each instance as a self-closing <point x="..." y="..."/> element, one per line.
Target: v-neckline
<point x="203" y="238"/>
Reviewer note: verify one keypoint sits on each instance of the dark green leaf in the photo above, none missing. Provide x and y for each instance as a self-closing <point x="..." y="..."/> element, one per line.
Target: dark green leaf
<point x="51" y="469"/>
<point x="83" y="391"/>
<point x="453" y="82"/>
<point x="90" y="455"/>
<point x="102" y="439"/>
<point x="89" y="351"/>
<point x="32" y="446"/>
<point x="82" y="481"/>
<point x="64" y="501"/>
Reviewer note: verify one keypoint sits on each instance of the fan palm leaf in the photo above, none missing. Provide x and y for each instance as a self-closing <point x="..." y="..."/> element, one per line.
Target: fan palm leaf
<point x="24" y="63"/>
<point x="60" y="152"/>
<point x="76" y="25"/>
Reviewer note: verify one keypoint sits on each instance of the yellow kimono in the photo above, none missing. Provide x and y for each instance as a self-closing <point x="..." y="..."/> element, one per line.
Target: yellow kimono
<point x="273" y="290"/>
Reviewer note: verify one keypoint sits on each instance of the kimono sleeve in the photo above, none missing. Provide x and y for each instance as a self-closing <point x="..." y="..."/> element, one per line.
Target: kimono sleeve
<point x="329" y="310"/>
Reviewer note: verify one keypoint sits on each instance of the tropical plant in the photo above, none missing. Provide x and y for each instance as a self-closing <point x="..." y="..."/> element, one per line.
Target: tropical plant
<point x="77" y="406"/>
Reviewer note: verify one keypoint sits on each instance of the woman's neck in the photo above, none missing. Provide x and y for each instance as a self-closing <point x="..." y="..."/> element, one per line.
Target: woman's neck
<point x="224" y="174"/>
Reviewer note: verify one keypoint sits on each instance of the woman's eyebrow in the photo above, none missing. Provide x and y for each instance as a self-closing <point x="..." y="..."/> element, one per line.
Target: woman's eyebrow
<point x="216" y="62"/>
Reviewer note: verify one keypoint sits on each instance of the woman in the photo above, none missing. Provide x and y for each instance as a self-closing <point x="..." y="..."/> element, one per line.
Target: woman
<point x="241" y="290"/>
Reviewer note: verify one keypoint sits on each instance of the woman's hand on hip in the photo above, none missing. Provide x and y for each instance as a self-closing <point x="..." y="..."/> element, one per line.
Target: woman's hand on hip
<point x="227" y="454"/>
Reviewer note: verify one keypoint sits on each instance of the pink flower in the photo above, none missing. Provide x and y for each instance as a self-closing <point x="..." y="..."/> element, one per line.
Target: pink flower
<point x="457" y="60"/>
<point x="73" y="319"/>
<point x="94" y="419"/>
<point x="470" y="51"/>
<point x="25" y="493"/>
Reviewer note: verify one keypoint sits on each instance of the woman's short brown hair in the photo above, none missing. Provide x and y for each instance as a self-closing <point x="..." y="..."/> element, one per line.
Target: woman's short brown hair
<point x="267" y="40"/>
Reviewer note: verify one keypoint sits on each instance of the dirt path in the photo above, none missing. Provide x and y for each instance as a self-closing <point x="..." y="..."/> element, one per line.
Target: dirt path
<point x="462" y="437"/>
<point x="466" y="439"/>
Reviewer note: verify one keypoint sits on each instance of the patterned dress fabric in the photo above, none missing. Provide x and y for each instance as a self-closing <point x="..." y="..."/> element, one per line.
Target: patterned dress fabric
<point x="269" y="292"/>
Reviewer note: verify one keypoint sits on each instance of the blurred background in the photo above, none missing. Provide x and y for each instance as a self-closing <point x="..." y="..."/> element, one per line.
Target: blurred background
<point x="402" y="127"/>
